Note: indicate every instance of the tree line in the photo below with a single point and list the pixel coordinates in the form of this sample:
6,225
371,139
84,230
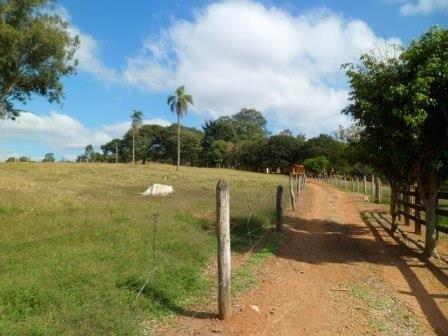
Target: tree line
240,141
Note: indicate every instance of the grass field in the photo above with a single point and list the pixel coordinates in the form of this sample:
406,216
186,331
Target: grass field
76,243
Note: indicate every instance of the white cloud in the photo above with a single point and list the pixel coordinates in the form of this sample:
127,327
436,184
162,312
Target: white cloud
238,54
61,131
423,7
89,59
88,53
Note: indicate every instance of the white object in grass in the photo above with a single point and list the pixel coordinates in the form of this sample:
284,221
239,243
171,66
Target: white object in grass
158,190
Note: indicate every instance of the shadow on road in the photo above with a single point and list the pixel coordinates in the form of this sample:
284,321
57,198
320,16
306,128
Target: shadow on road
332,242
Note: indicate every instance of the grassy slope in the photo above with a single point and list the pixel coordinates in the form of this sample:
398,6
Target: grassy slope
76,242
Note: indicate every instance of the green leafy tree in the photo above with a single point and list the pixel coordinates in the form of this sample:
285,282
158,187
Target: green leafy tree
251,153
401,105
11,159
249,124
178,103
425,69
136,123
89,153
49,157
222,128
222,153
24,159
326,145
190,146
36,50
281,150
317,165
113,151
286,132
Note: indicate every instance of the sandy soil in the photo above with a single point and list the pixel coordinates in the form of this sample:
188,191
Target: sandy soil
333,242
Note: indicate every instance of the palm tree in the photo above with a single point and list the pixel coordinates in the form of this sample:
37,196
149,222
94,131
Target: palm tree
178,104
137,122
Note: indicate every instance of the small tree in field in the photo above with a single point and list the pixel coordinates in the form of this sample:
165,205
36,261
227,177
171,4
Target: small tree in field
178,104
36,50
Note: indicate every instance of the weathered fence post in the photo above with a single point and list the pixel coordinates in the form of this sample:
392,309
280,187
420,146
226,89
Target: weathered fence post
353,183
279,208
299,185
418,225
345,182
373,186
224,260
291,193
377,190
365,185
357,183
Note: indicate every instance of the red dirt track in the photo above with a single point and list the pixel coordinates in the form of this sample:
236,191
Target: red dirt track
334,240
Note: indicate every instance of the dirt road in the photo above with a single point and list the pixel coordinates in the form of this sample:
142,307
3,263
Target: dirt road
337,272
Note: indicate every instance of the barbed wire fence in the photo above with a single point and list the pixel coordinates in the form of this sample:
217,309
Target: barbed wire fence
253,238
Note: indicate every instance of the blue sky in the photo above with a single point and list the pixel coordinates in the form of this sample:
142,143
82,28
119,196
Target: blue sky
281,57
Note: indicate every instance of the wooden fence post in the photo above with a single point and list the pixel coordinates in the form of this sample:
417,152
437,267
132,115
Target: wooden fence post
279,208
365,185
373,186
353,183
291,193
377,190
299,185
357,183
345,182
224,260
406,208
418,225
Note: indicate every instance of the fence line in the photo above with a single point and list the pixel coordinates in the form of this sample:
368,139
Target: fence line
411,209
409,205
224,237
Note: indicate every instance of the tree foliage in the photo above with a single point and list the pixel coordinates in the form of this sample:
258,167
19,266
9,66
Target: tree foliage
36,50
49,157
317,165
401,107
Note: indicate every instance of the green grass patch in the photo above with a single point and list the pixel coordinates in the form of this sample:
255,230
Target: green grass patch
246,275
386,314
77,242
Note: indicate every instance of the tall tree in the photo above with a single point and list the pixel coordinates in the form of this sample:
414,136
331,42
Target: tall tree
136,123
178,104
89,153
401,106
36,50
425,68
250,124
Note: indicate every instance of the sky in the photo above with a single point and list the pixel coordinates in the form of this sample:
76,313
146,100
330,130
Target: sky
281,57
